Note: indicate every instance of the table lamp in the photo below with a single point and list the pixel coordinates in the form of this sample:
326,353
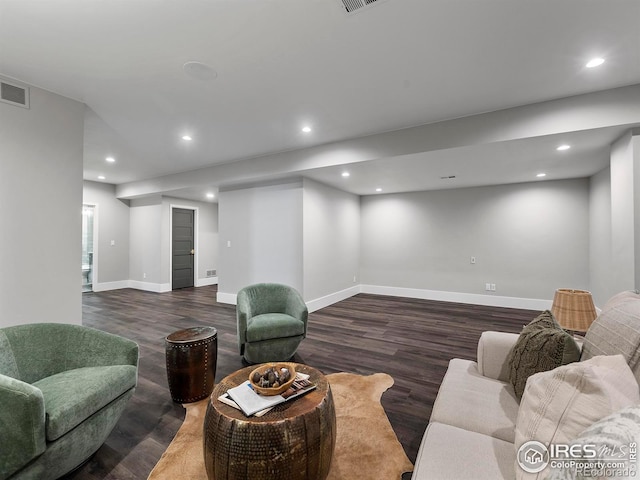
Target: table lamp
574,309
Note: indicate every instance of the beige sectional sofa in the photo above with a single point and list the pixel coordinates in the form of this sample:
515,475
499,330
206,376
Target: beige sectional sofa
472,430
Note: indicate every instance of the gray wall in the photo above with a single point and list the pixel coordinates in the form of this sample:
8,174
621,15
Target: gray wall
41,201
260,237
145,255
331,231
112,217
528,239
601,274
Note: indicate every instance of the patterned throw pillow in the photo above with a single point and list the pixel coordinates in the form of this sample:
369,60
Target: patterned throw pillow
616,439
543,345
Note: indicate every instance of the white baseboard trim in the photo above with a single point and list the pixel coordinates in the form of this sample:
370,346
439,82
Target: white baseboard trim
104,286
470,298
229,298
332,298
150,287
204,282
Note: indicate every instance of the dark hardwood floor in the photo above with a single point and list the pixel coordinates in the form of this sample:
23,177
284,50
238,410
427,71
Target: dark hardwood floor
412,340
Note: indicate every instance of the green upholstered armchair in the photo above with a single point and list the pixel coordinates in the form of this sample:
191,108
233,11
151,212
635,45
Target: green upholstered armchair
62,390
272,321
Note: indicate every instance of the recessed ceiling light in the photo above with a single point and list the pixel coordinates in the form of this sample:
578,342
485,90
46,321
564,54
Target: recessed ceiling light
210,195
345,174
306,129
187,138
540,175
563,147
378,189
101,177
199,70
595,62
110,159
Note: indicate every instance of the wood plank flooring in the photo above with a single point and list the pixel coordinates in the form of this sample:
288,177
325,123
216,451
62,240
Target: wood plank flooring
410,339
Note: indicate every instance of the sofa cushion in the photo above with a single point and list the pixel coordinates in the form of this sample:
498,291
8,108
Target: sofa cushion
543,345
616,331
273,325
612,437
559,404
73,396
451,453
472,402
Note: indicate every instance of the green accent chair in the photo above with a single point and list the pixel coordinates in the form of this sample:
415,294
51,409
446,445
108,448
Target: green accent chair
272,321
62,390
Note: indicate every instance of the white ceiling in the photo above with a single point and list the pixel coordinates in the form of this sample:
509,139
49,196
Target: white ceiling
280,64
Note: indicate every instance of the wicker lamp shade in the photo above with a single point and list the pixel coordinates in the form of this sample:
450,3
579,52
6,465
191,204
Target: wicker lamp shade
574,309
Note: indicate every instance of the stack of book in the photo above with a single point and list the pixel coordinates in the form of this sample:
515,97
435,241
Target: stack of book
244,397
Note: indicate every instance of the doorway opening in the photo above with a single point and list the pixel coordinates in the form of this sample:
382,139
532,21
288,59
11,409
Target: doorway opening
88,221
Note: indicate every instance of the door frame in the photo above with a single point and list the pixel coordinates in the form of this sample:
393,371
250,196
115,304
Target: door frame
173,206
96,243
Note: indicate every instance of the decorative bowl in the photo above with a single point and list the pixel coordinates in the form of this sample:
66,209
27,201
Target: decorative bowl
276,367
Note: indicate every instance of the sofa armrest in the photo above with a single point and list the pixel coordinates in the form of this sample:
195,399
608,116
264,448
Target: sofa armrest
493,351
22,424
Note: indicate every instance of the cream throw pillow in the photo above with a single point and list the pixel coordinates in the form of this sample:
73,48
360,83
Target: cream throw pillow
559,404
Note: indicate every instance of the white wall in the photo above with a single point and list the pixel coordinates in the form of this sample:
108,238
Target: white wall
601,274
145,254
260,237
528,239
331,250
112,218
41,202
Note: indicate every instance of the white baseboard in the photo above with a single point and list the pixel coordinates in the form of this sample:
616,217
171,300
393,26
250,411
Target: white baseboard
443,296
332,298
104,286
229,298
204,282
150,287
471,298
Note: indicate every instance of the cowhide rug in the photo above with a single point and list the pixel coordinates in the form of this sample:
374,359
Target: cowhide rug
366,446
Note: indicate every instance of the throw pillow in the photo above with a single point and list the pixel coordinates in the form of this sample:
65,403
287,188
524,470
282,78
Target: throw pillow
615,438
616,331
559,404
542,345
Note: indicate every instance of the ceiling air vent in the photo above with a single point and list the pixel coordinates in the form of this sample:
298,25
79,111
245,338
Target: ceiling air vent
352,6
14,94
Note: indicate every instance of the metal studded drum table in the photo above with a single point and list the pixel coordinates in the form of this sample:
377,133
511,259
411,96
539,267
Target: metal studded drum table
192,355
293,441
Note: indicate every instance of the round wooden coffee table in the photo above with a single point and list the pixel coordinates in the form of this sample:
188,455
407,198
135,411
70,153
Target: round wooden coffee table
294,441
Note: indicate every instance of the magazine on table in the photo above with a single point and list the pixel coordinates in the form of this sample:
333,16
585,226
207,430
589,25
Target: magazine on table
244,397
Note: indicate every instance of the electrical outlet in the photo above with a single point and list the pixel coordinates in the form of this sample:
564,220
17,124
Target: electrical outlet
487,287
493,287
144,275
473,260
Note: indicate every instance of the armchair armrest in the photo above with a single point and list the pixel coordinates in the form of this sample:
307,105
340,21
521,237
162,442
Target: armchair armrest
243,314
22,424
297,308
493,351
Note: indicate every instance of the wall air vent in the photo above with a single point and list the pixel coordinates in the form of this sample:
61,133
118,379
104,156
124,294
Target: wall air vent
14,94
352,6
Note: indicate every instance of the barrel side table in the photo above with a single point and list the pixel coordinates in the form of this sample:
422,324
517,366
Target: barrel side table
293,441
192,355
